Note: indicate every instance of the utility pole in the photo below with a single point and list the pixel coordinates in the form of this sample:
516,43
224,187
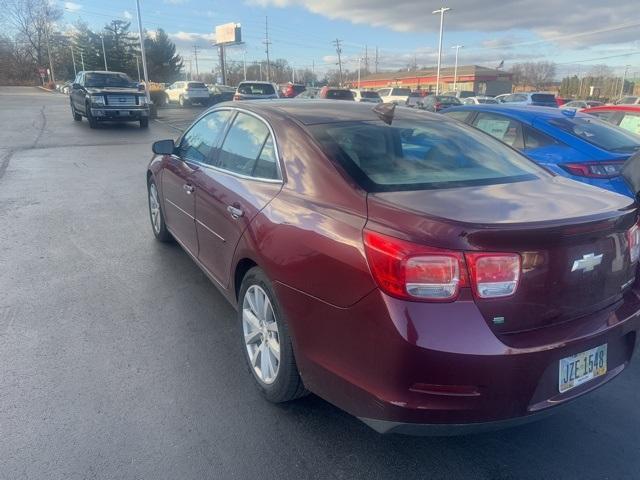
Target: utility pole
195,55
366,58
440,11
138,67
223,67
313,73
260,65
73,59
267,43
142,52
455,69
376,60
52,76
244,63
82,59
359,68
104,53
624,77
293,74
339,52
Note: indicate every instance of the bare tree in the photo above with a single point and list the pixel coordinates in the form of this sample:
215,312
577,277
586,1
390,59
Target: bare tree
601,71
533,74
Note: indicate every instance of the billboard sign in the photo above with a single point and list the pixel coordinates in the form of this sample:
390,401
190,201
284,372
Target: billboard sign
228,33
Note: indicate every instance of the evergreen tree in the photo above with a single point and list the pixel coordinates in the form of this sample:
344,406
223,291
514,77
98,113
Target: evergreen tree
163,63
121,48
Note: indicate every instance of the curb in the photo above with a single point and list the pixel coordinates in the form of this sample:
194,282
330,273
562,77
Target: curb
47,89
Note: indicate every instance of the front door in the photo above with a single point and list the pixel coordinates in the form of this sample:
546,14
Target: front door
179,200
242,180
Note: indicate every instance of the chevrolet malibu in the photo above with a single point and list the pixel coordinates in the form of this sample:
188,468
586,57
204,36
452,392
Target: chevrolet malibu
407,268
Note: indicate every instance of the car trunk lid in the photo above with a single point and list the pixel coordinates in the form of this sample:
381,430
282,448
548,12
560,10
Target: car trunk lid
572,240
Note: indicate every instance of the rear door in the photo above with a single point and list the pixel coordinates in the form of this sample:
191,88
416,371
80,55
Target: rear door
505,129
243,177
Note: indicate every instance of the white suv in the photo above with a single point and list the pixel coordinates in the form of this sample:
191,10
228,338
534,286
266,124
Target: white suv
395,95
187,93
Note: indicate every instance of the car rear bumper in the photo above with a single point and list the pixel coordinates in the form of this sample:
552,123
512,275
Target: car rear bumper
439,368
119,114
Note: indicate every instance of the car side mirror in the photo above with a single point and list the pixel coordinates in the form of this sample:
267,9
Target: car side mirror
141,87
163,147
75,86
631,173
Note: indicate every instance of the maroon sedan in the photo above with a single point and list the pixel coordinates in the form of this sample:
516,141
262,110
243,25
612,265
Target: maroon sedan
409,269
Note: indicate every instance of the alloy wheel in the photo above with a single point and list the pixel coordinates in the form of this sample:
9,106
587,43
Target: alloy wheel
261,336
154,208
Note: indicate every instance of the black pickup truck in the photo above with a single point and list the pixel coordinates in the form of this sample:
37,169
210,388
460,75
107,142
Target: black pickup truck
108,96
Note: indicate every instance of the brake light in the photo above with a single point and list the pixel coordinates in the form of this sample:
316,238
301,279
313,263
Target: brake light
437,105
493,275
237,97
633,235
414,272
594,169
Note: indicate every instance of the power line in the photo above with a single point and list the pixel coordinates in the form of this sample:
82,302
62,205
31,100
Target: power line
195,55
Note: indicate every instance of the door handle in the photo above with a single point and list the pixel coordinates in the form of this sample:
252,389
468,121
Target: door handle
235,212
189,189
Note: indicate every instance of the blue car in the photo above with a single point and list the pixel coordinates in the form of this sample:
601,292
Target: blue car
574,145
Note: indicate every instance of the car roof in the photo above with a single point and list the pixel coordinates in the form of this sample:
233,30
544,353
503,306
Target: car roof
256,81
313,112
523,112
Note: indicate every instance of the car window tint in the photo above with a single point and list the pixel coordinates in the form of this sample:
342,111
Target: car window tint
608,116
598,133
266,166
536,139
414,154
198,143
631,122
243,144
504,129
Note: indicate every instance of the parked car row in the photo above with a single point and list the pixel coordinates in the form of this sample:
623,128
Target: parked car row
423,272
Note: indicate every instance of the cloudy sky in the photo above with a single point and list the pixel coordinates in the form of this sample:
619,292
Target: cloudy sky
575,35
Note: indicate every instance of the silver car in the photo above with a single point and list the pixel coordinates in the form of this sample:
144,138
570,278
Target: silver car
256,91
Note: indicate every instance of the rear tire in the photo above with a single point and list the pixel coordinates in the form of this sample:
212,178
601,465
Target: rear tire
282,381
183,103
144,123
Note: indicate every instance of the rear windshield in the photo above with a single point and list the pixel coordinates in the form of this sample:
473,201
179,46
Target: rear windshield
467,94
256,89
486,100
339,94
627,101
599,133
447,100
196,85
401,91
369,95
543,98
420,154
299,88
107,80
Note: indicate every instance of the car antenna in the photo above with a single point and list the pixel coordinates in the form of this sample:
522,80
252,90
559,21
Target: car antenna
385,112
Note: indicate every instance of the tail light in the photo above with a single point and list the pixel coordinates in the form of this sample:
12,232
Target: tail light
416,272
594,169
633,235
237,97
437,106
494,275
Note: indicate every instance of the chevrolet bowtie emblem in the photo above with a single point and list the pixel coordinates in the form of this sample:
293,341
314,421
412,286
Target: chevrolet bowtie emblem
587,263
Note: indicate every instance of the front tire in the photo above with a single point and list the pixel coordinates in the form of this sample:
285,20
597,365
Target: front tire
93,123
76,116
182,101
156,215
266,340
144,123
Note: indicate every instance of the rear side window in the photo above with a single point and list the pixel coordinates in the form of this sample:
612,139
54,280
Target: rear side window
503,128
368,94
543,98
402,92
196,85
631,122
460,116
418,154
607,116
256,89
243,150
598,133
536,139
197,145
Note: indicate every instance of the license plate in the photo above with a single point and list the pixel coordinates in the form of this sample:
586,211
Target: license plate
582,367
123,113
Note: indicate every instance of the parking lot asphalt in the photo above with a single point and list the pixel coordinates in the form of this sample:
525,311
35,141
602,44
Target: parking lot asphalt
120,360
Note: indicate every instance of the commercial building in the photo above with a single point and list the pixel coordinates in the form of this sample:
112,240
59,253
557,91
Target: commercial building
482,80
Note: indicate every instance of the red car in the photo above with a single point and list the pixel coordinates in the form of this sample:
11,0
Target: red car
333,93
291,90
624,116
405,267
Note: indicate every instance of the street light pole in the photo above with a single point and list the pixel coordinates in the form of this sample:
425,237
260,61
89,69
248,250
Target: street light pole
73,59
104,53
440,11
82,60
144,56
455,68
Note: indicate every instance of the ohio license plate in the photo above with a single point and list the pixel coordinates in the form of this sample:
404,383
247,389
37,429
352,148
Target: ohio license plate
582,367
